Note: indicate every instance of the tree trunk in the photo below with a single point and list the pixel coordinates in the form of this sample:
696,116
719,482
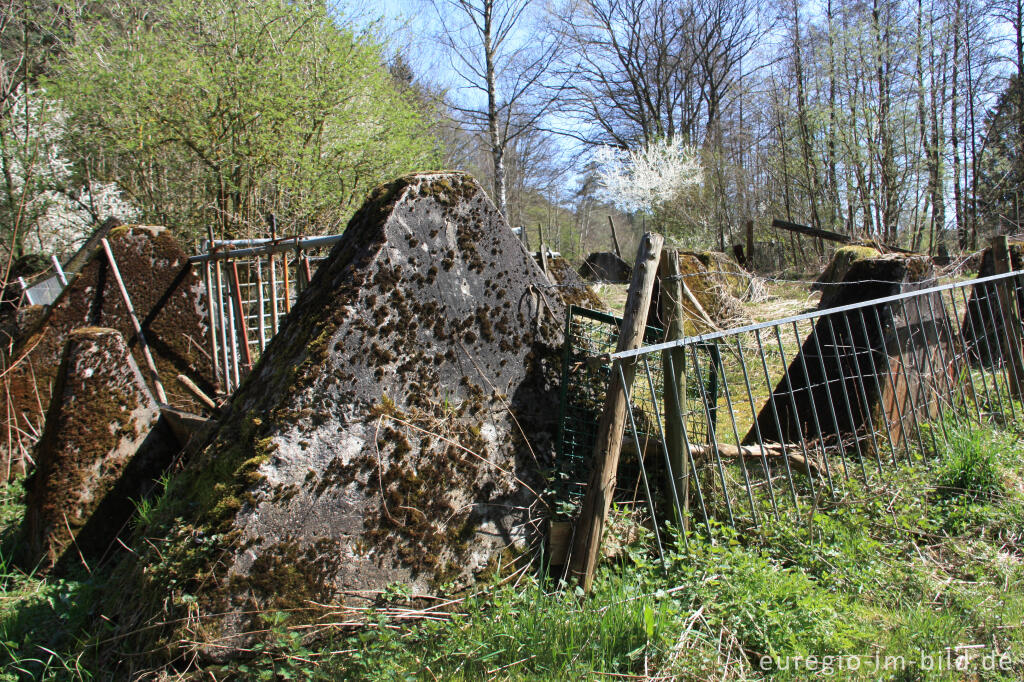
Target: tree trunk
963,239
496,141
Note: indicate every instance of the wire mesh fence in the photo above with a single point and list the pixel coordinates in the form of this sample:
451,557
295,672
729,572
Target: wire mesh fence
590,337
805,404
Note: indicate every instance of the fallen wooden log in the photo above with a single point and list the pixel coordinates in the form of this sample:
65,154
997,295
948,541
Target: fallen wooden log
811,231
771,451
834,236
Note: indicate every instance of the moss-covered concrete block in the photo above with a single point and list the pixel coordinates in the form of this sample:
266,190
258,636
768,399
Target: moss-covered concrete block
393,431
871,369
169,299
717,282
101,448
832,277
570,287
983,319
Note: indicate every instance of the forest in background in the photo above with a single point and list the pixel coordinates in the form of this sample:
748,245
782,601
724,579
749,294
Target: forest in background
897,121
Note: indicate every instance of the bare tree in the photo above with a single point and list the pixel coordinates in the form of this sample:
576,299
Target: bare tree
502,73
634,73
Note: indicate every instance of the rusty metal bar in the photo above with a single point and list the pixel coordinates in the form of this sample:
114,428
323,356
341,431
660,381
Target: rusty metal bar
243,331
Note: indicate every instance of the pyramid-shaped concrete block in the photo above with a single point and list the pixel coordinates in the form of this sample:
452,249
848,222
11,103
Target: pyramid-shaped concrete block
835,386
394,431
169,298
102,424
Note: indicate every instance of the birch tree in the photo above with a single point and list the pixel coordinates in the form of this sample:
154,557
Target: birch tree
502,72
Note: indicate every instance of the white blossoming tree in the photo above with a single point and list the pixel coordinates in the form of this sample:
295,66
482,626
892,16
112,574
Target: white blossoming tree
42,208
645,179
653,179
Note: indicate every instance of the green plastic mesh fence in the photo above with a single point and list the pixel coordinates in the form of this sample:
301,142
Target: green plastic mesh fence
589,335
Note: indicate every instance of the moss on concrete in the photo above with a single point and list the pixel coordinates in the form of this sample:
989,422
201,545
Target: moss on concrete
842,259
100,416
388,433
169,299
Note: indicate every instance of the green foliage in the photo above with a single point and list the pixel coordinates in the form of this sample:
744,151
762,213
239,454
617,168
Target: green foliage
1001,166
39,619
928,560
970,469
213,112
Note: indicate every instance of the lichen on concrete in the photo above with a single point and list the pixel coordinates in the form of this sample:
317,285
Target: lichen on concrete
393,431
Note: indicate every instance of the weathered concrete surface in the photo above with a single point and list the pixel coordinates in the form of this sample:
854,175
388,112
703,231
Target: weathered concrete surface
169,299
101,448
392,432
16,323
911,344
832,277
717,282
983,318
605,266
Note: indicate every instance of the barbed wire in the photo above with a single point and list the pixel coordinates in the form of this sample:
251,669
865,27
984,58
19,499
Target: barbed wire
947,271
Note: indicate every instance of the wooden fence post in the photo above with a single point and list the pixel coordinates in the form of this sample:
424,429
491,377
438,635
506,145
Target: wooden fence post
1011,327
589,529
673,315
615,237
750,245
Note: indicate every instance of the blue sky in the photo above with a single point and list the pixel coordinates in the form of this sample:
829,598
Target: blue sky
412,22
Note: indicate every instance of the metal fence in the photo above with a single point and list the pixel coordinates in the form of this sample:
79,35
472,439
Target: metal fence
251,285
807,403
590,338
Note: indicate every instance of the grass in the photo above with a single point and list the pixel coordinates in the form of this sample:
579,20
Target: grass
39,618
911,568
928,562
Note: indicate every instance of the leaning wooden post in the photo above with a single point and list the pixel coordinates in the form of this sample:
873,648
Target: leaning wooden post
674,369
305,268
159,387
197,392
544,262
1011,327
615,237
587,541
750,245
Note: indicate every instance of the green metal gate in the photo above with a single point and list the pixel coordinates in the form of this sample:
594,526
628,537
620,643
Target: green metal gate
589,336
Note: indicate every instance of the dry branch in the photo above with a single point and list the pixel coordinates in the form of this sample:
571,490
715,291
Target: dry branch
753,452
